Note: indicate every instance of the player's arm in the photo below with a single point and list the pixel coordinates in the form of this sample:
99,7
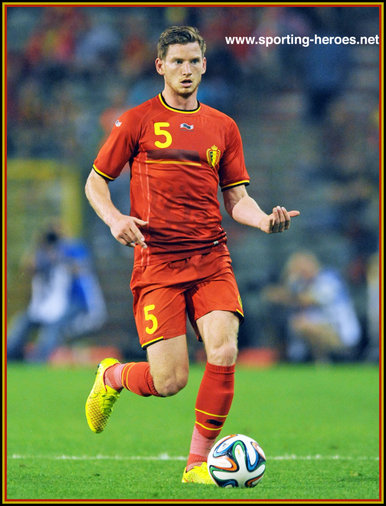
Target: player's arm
124,228
245,210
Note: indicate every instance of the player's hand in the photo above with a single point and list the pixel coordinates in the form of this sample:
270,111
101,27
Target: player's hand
279,220
126,231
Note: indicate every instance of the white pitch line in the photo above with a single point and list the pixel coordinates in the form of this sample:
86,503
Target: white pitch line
165,456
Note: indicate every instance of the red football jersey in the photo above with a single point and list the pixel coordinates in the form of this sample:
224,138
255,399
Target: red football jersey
177,161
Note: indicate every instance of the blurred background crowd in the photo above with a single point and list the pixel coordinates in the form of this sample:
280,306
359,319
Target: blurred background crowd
309,120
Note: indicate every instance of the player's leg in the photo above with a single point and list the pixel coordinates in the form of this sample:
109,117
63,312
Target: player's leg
160,315
169,365
164,374
215,311
219,331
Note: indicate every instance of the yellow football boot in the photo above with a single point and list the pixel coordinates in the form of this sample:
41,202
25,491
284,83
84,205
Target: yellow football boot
100,402
198,474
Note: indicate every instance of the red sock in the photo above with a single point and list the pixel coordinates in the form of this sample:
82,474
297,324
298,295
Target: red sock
213,403
136,377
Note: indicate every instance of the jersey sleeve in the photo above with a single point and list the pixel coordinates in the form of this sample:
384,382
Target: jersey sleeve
232,165
119,148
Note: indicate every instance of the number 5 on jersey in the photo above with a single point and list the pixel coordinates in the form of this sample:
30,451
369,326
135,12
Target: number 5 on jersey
159,129
150,318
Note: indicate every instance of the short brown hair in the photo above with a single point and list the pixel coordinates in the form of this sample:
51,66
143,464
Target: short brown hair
179,35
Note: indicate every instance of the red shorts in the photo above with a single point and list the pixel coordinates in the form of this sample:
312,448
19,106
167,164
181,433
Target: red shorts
165,293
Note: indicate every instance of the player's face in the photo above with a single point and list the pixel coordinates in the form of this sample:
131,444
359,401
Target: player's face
182,68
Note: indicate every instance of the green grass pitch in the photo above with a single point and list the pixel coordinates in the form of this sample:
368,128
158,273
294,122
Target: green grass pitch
318,426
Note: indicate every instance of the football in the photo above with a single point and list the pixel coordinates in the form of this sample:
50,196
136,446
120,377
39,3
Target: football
236,461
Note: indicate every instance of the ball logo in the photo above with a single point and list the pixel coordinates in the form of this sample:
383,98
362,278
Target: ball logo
213,156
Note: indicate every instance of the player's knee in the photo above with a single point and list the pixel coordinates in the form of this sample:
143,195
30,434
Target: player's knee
169,388
171,385
225,354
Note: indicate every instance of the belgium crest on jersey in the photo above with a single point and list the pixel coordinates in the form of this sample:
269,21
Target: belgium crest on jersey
213,156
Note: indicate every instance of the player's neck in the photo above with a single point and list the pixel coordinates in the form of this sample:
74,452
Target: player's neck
189,103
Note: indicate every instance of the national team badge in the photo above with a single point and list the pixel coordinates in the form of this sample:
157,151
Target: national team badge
213,156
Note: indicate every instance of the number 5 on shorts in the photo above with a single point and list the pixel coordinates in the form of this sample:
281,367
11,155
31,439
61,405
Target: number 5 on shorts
150,317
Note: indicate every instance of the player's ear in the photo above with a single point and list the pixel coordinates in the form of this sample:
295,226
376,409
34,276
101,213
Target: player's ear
203,65
159,66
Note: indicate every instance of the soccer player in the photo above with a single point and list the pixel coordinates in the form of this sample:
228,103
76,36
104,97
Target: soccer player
179,152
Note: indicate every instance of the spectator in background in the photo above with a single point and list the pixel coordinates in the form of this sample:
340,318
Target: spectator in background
373,303
321,321
66,299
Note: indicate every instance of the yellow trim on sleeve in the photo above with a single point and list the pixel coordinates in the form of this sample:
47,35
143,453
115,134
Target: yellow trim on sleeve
244,181
102,173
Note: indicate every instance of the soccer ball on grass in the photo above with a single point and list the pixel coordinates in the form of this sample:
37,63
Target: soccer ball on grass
236,461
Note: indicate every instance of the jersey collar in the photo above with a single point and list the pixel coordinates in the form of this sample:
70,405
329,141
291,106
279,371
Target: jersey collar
163,102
